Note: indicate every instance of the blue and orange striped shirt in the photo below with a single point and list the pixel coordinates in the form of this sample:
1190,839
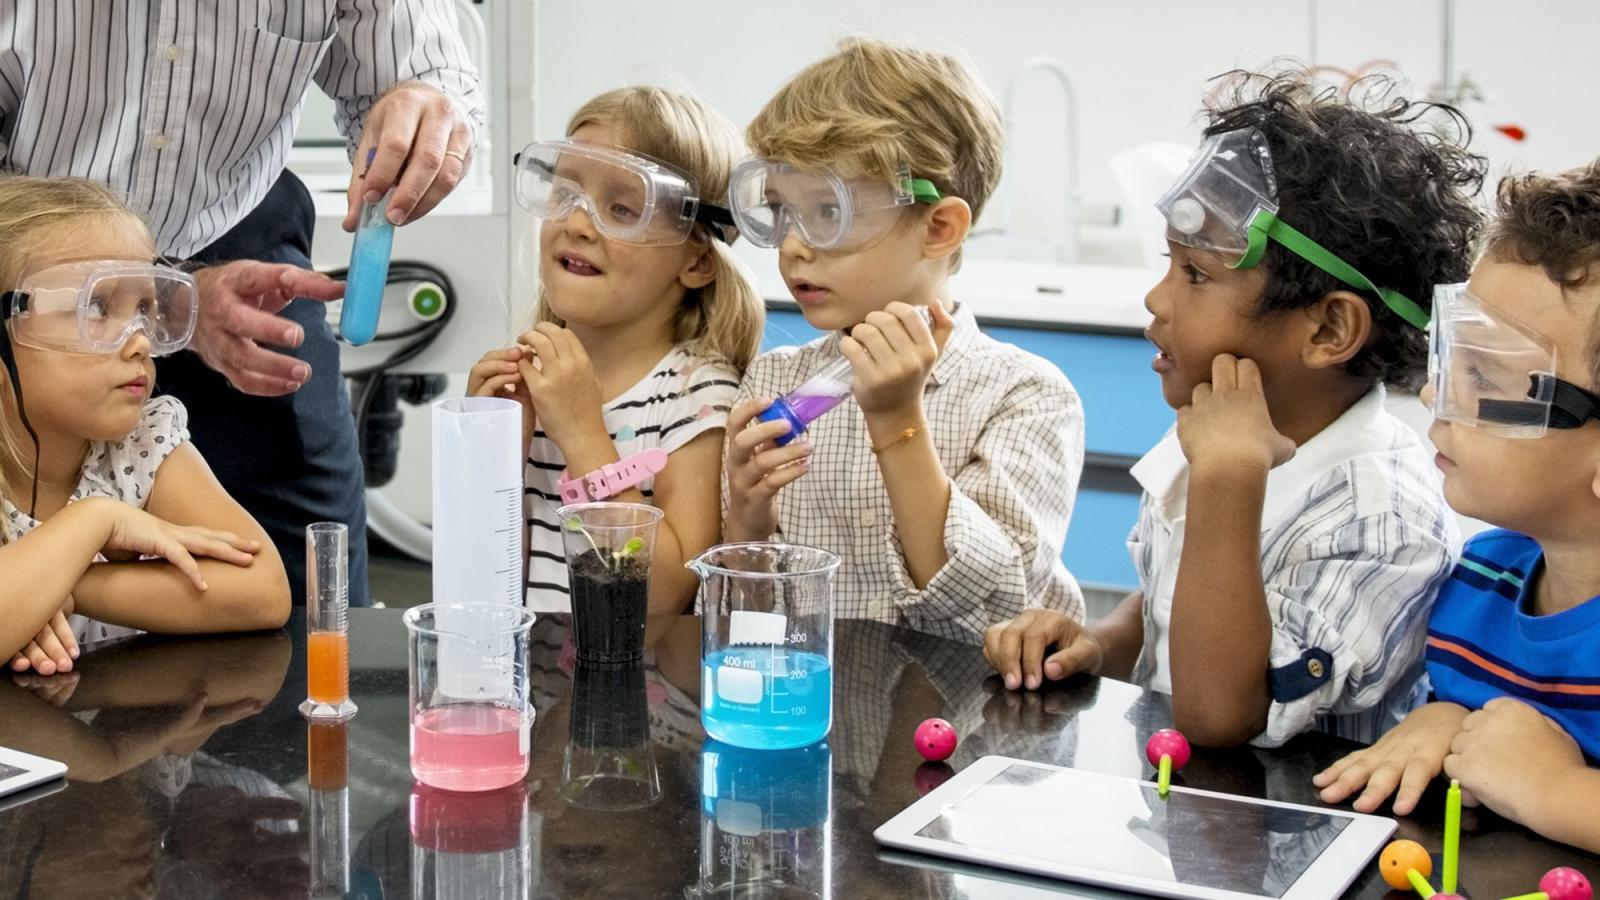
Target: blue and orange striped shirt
1483,641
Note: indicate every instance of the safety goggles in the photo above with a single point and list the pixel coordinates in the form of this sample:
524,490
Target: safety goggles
1227,203
96,306
825,211
1492,372
629,196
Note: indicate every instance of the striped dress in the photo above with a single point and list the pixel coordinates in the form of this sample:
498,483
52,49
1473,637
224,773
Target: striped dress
684,396
1485,641
1355,540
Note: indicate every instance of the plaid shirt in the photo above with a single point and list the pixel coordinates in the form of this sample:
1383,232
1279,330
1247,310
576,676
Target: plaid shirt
1355,540
1008,429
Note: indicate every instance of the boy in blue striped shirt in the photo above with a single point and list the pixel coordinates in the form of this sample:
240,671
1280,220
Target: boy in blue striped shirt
1292,531
1514,640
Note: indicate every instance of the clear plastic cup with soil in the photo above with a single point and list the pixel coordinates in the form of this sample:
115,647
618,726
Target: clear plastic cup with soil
608,548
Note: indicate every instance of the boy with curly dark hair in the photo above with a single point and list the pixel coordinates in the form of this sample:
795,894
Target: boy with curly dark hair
1514,638
1292,532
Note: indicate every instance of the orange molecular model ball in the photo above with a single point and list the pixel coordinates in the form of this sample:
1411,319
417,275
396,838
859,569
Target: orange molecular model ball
1401,857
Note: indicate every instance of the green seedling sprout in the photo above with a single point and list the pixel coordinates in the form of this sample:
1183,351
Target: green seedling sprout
631,548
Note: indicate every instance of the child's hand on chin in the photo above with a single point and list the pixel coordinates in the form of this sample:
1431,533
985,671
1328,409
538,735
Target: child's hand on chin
1226,427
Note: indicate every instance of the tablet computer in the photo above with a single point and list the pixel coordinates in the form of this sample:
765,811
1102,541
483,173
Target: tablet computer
1119,833
20,771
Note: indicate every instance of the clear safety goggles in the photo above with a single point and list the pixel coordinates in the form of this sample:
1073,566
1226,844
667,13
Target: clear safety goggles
825,211
96,306
629,196
1489,371
1226,203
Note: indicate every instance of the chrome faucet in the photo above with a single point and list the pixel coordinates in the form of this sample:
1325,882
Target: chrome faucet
1067,250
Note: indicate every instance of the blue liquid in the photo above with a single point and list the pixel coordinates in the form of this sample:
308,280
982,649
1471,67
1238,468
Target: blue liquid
369,273
766,698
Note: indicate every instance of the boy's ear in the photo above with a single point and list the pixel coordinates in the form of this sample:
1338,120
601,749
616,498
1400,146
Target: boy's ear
1340,325
948,220
1594,486
699,271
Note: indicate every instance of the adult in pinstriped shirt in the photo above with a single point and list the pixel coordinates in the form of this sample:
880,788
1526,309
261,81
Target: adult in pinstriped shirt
1292,533
189,108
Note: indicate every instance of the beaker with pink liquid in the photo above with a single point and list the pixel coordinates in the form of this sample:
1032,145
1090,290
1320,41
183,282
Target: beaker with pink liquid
469,731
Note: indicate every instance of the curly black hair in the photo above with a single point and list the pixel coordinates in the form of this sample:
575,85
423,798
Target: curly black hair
1382,182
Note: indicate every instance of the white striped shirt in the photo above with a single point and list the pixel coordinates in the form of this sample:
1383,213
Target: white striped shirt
684,396
1008,430
189,107
1355,540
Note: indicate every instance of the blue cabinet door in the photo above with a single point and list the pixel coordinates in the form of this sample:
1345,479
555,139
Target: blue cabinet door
1124,416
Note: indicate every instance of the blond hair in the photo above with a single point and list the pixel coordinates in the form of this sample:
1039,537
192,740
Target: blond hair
33,212
723,319
875,108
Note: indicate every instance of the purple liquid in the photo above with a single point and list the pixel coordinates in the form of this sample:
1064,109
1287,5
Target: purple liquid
808,407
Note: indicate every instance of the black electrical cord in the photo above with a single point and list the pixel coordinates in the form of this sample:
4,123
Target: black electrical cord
421,336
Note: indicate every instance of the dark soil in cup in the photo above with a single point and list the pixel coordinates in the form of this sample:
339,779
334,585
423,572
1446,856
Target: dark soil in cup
608,607
609,707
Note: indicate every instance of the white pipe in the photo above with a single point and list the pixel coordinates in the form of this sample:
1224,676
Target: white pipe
392,524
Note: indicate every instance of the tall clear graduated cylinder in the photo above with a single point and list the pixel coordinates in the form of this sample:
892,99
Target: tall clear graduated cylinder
327,623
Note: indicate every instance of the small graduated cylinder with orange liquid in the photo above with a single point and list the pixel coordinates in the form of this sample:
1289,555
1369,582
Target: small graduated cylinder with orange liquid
327,623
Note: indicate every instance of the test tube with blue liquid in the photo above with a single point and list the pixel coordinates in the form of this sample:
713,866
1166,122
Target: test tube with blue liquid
369,270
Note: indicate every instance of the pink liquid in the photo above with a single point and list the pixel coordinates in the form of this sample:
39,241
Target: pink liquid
469,747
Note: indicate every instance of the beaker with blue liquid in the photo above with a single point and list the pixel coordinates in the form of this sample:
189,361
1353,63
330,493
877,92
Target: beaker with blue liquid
766,647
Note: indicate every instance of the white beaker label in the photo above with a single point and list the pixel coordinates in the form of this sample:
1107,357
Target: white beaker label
750,627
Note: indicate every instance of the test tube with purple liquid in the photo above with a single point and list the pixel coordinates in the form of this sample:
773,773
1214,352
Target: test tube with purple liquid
806,403
820,393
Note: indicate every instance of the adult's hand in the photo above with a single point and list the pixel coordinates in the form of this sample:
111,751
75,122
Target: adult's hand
415,141
239,306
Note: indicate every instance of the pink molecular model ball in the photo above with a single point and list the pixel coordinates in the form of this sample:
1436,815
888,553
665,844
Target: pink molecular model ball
936,739
1167,742
1566,884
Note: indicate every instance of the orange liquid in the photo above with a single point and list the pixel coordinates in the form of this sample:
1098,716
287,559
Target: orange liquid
328,666
327,756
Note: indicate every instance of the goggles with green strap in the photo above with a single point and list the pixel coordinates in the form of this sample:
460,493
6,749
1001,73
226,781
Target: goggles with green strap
824,209
1227,203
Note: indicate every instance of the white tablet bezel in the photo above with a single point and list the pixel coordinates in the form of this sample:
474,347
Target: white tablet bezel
36,770
1326,879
